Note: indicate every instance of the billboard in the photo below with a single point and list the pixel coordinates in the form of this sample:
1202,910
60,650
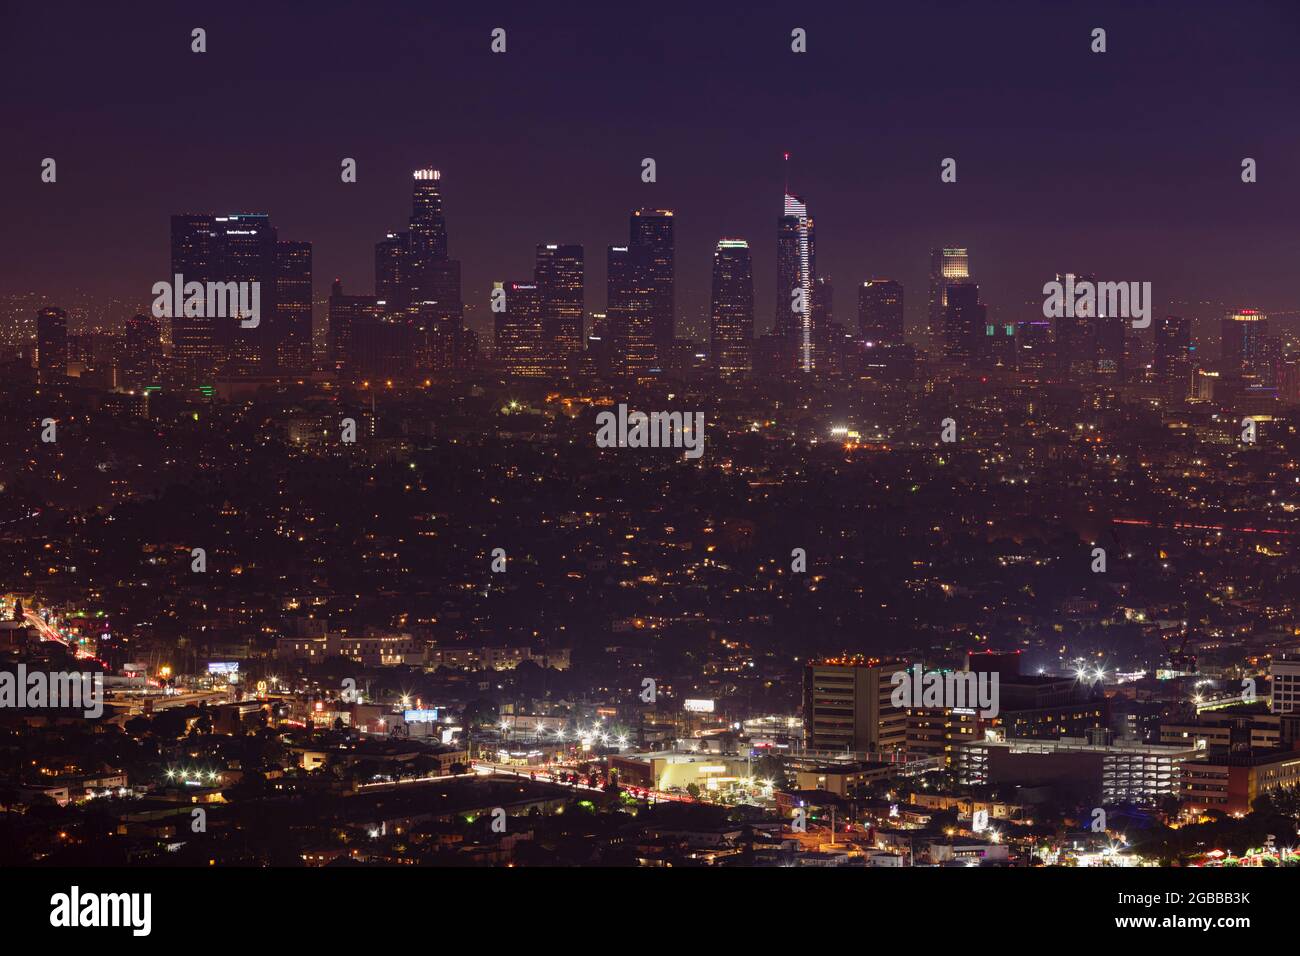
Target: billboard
698,705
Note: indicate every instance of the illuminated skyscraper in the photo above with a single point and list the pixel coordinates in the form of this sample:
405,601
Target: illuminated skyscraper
652,232
416,282
52,344
239,248
630,310
796,275
142,355
355,341
433,279
1242,342
391,286
1173,357
293,318
947,266
965,323
518,330
428,233
880,311
1077,341
731,315
559,277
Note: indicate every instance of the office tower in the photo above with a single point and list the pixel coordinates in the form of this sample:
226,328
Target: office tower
432,278
1288,379
796,274
630,310
652,232
1034,352
1284,675
428,232
1173,357
351,318
418,286
880,311
293,318
1076,337
1270,359
947,266
142,359
239,248
1242,335
600,345
518,330
965,325
52,344
559,275
1112,333
847,706
823,304
391,284
731,311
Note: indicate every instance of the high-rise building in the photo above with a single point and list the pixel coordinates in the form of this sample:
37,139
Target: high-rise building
433,279
947,266
427,241
355,344
1034,346
1077,342
142,357
1284,675
391,285
293,318
1112,336
1173,358
796,275
630,311
518,329
965,321
560,279
848,706
52,344
1242,341
238,248
880,311
731,312
652,231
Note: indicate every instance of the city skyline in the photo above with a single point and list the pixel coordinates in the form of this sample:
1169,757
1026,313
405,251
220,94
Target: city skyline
878,211
650,438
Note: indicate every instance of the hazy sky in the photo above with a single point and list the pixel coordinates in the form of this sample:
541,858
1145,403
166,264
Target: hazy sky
1124,164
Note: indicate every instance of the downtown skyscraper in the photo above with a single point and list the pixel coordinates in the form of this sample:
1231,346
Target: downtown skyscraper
1242,336
240,248
417,282
629,308
293,326
518,328
796,275
651,232
52,344
947,266
559,275
880,311
731,312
